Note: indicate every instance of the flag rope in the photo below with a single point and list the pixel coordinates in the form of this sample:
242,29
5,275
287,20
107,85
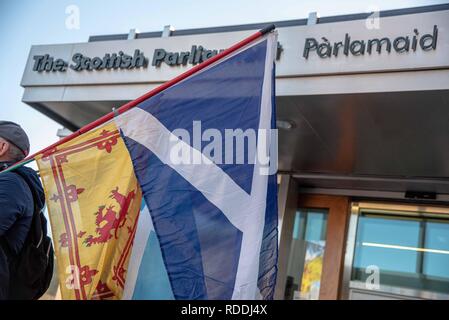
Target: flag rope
144,97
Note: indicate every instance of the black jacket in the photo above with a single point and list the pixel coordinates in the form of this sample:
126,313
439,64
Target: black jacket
16,212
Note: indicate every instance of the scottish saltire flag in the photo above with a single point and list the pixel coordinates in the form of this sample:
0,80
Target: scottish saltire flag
177,197
213,209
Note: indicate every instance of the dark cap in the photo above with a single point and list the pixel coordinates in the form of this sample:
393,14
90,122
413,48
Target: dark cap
16,135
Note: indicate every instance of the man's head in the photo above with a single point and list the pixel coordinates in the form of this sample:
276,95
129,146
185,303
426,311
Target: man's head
14,143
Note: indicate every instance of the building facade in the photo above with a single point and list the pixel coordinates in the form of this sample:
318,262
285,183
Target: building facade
363,118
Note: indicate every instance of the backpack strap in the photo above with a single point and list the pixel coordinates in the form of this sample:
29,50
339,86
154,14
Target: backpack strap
5,247
33,192
37,233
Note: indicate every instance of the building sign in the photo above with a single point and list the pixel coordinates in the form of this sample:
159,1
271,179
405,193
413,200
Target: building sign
325,49
404,42
120,60
197,54
81,62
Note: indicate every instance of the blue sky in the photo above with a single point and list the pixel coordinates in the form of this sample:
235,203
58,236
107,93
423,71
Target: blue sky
27,22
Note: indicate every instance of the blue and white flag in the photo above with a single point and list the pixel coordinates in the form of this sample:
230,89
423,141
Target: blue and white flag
204,152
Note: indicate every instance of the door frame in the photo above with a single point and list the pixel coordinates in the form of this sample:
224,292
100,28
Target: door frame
334,252
337,225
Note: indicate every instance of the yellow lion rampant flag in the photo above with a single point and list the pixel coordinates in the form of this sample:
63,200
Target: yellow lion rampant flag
93,201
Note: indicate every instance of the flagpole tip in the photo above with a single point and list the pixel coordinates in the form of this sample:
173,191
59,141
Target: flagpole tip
267,29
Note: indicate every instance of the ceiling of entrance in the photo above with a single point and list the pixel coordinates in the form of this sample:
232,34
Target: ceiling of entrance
388,134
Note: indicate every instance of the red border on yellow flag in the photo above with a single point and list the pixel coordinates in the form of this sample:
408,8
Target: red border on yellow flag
93,200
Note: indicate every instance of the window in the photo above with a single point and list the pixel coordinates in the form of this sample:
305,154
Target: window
306,254
408,251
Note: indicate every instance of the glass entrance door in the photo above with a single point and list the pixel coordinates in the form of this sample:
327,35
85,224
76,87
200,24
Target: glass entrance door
305,263
398,252
312,244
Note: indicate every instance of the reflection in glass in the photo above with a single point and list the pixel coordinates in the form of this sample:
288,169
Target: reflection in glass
306,254
410,252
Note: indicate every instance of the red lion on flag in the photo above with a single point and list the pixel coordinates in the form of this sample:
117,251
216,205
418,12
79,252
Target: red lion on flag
109,215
